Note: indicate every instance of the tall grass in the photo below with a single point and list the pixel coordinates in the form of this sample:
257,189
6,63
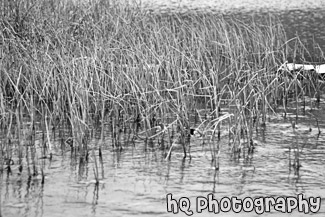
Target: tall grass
117,68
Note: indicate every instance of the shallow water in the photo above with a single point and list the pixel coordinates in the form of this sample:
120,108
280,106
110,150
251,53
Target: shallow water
135,181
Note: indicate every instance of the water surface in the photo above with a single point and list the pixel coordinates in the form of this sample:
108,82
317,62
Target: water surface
135,181
303,18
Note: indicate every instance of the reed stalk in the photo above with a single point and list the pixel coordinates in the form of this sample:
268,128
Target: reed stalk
81,65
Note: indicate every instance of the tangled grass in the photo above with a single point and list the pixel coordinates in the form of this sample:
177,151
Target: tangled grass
117,68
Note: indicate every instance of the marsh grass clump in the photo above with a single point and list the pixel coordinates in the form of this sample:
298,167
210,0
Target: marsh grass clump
121,70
